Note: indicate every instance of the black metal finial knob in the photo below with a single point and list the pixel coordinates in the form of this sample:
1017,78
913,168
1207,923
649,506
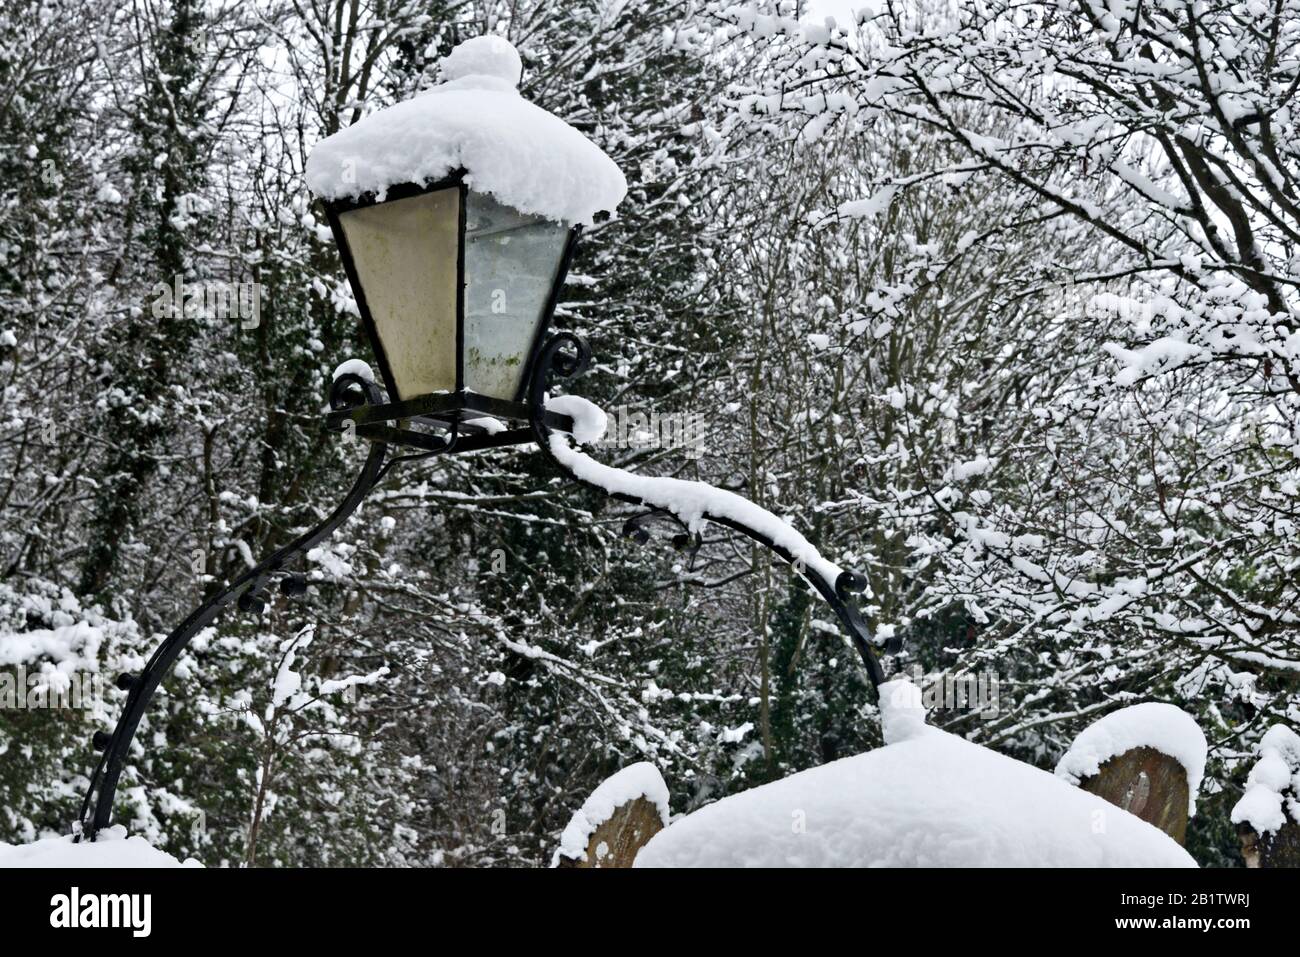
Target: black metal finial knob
293,584
249,601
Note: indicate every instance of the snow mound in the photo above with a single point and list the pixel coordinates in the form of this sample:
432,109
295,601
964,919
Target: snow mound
925,799
1162,727
902,715
1277,770
111,848
476,121
483,56
71,647
634,781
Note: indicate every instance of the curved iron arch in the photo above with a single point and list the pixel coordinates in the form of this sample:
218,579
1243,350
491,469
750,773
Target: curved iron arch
554,359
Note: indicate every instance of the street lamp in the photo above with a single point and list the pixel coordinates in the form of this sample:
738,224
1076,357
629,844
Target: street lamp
456,214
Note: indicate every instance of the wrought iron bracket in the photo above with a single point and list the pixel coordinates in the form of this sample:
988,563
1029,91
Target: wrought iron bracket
248,592
357,404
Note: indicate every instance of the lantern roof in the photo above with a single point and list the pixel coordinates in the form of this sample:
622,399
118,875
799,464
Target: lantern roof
474,121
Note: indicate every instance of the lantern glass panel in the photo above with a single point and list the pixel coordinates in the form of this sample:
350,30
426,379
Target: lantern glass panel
511,265
405,253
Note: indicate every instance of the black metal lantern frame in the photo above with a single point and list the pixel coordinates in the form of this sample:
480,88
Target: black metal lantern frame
358,404
451,411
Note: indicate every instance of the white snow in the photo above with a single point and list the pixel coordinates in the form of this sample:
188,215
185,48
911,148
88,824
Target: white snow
589,420
961,471
357,367
72,647
477,121
693,502
640,780
288,682
488,424
483,56
1166,353
873,205
925,799
1278,769
902,713
111,848
1163,727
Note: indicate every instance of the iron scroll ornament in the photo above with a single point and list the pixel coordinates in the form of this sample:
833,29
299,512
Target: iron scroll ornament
248,592
568,355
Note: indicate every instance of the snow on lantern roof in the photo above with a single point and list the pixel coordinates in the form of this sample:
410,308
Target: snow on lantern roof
1162,727
925,799
475,121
